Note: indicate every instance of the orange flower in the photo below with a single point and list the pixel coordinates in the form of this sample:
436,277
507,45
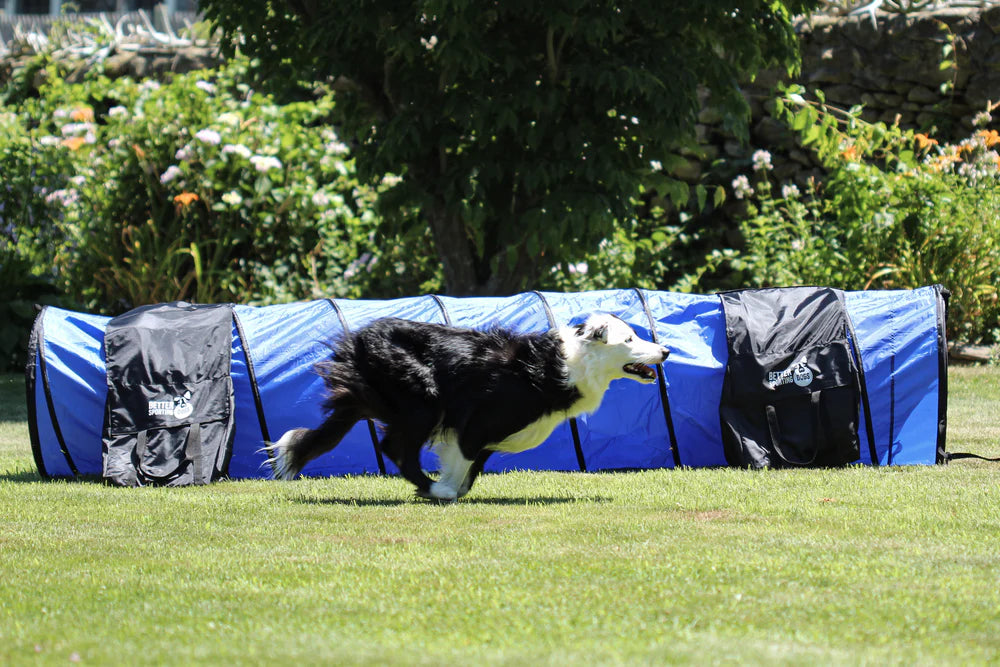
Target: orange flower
82,115
989,137
73,143
850,153
924,142
185,199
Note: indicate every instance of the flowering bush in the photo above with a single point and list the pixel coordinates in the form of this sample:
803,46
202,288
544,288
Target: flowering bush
199,189
895,210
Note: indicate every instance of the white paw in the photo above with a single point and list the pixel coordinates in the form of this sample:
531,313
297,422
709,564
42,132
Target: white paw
442,492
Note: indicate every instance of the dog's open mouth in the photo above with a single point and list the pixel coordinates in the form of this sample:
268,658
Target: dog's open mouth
640,370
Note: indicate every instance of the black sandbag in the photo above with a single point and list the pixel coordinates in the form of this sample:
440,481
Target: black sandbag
169,409
791,390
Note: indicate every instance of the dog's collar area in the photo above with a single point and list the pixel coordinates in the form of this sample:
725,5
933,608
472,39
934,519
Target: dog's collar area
643,371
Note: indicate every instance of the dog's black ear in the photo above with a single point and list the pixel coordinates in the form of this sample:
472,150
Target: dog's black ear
586,330
600,333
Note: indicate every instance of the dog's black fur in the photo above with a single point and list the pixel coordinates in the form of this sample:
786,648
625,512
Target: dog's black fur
417,378
470,392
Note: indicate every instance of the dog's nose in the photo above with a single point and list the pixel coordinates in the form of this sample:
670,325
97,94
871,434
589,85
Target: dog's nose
666,353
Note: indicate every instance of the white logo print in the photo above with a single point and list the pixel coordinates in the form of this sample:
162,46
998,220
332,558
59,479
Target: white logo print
799,373
802,376
178,407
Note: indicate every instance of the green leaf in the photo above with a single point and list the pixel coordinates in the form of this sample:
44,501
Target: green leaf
702,195
801,119
678,191
811,135
720,196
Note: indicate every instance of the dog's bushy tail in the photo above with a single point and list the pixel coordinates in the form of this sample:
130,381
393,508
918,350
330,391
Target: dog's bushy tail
281,454
348,399
299,446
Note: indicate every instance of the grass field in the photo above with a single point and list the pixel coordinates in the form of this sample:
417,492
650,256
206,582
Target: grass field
852,566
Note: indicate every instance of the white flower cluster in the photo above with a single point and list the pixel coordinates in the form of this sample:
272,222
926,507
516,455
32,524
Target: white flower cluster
761,160
265,163
741,187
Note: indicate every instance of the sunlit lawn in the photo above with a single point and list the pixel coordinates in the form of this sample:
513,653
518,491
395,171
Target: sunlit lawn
896,566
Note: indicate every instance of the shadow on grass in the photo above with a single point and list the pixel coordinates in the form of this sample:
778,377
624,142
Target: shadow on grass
21,477
369,502
31,476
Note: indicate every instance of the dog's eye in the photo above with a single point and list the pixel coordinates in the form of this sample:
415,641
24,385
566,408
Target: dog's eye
629,339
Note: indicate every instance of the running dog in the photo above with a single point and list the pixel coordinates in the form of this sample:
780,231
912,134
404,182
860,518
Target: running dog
468,393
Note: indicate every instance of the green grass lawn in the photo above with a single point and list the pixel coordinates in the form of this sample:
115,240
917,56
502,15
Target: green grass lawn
887,566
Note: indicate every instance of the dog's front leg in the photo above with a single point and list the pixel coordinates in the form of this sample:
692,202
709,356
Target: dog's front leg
454,471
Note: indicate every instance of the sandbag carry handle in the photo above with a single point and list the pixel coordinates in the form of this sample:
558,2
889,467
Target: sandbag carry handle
775,431
192,454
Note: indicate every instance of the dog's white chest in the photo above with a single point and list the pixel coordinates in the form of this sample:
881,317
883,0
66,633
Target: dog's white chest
536,432
531,435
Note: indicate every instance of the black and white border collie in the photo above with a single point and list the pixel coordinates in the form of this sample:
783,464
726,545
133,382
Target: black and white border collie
468,393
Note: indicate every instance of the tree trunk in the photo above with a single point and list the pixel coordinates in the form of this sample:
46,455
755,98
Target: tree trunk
467,274
456,252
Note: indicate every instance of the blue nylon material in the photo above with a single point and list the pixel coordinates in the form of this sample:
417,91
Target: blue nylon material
899,323
627,431
52,458
285,341
246,461
692,327
74,353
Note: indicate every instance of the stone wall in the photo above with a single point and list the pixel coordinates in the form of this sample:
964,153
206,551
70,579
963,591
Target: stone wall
893,68
139,63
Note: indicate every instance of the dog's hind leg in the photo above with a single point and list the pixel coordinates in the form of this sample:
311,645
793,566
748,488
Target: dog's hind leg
474,471
299,446
402,443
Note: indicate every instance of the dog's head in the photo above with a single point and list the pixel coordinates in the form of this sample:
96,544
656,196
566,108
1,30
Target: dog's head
617,350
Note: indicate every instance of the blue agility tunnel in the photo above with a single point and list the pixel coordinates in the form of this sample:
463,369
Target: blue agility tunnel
899,337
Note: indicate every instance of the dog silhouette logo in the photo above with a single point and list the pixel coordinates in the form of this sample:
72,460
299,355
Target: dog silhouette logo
182,406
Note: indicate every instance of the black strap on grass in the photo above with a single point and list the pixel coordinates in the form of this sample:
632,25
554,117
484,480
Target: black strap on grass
371,425
951,456
573,427
661,377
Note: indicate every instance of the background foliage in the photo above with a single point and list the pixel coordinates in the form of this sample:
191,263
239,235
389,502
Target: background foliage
897,209
521,129
202,188
121,192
